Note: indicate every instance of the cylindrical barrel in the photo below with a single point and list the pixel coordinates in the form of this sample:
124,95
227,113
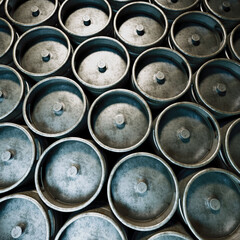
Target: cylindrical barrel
216,86
119,120
139,26
174,8
26,14
12,93
187,135
7,39
198,36
227,11
43,52
233,41
101,64
142,191
70,174
55,107
161,76
97,223
85,19
210,203
24,216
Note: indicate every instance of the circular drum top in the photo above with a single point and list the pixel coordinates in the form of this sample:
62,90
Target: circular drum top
217,84
22,217
235,41
176,4
54,107
161,74
119,120
11,91
163,235
100,62
142,191
30,12
17,155
187,135
85,18
198,34
70,174
211,204
226,9
41,51
90,225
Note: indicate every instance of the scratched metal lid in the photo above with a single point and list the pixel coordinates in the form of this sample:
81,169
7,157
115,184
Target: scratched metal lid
42,52
139,26
211,203
119,120
187,135
164,235
23,217
100,64
7,40
217,85
70,174
198,36
142,191
27,14
17,155
84,19
161,76
12,93
233,43
55,107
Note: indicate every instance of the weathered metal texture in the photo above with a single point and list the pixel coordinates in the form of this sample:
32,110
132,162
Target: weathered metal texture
161,76
210,203
233,41
70,174
26,14
139,26
119,120
7,40
226,11
42,52
55,107
82,20
216,87
187,135
24,216
101,64
198,36
94,224
142,191
174,8
12,92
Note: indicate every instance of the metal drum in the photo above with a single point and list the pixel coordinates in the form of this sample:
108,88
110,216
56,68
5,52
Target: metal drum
142,191
210,203
198,36
55,107
187,135
161,76
139,26
24,216
233,42
26,14
12,92
174,8
227,11
1,8
101,64
84,19
7,40
216,87
19,151
119,120
70,174
94,224
43,52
